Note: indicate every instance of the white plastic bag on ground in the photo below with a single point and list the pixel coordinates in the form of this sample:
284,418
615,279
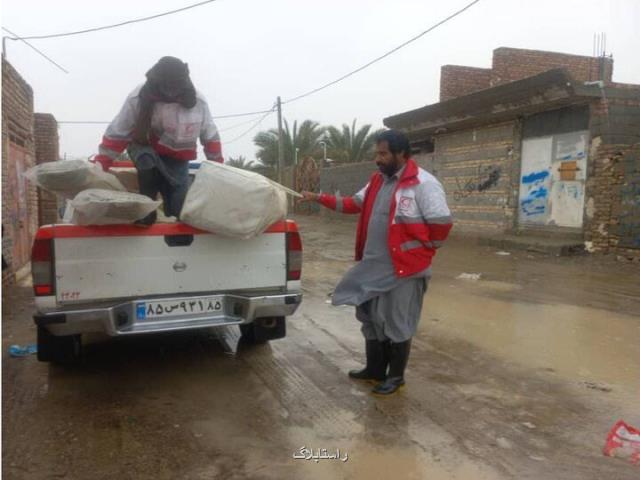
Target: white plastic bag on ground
470,276
105,207
623,441
232,202
67,178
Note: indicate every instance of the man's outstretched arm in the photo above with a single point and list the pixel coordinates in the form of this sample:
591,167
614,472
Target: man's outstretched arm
338,203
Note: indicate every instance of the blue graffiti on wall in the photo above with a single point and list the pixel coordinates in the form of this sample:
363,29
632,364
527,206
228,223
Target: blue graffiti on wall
535,203
535,177
571,156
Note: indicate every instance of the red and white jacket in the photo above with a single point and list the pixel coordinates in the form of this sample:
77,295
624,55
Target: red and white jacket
419,219
174,130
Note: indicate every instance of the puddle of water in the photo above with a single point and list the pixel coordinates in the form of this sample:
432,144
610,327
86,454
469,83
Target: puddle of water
578,343
370,462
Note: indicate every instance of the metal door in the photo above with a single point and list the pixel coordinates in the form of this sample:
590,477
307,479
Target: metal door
553,179
535,181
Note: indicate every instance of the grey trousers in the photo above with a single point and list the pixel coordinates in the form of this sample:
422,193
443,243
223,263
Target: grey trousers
393,315
160,174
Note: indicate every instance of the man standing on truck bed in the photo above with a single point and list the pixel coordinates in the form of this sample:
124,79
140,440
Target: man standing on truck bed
404,218
159,125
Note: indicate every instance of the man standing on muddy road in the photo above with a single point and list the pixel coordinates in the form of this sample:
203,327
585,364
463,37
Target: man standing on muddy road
404,218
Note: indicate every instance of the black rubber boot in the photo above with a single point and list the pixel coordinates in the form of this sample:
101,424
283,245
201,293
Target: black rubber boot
398,358
376,369
148,220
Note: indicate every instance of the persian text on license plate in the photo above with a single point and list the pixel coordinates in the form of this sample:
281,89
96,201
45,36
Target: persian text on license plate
174,308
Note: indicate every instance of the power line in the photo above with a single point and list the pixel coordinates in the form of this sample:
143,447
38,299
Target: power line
217,117
30,46
267,112
413,39
106,27
255,125
231,127
246,114
83,122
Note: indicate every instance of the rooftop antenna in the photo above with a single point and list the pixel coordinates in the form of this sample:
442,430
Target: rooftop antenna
593,54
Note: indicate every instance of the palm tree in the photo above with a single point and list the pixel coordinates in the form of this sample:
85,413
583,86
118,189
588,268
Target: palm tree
306,139
241,162
349,145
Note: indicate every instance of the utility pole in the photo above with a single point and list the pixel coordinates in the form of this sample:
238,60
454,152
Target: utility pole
324,152
280,144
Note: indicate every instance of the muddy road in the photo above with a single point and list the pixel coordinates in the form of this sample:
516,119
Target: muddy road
519,374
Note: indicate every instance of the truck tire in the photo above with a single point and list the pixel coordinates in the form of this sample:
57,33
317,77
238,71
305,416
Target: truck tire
62,350
261,330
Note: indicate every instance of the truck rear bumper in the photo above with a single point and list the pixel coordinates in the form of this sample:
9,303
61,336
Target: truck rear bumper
138,316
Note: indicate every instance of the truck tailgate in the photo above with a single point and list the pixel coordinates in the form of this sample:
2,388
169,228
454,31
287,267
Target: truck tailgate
163,260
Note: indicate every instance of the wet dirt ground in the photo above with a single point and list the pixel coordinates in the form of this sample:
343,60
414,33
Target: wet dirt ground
517,375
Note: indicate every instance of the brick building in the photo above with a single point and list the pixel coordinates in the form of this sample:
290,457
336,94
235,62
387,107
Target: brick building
540,144
46,150
27,139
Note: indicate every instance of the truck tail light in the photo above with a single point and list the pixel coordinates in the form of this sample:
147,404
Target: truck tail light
42,267
294,256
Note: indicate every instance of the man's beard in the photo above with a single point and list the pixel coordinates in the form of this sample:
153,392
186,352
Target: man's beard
390,169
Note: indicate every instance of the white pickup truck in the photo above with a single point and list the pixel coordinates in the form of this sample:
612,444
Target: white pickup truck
127,280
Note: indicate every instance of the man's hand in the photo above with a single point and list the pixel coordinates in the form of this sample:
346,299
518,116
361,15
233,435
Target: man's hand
308,197
104,161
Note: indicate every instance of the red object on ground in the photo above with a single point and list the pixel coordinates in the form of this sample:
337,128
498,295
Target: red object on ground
623,441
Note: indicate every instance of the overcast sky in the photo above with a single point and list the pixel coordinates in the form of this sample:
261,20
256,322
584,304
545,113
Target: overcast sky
244,53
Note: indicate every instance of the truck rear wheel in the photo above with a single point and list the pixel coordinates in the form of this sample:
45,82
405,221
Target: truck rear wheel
261,330
63,350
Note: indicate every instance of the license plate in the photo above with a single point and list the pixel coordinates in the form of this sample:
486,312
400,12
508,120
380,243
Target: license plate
176,308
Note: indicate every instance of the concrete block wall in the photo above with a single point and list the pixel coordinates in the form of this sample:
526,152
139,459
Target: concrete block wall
19,199
479,169
47,150
348,179
344,180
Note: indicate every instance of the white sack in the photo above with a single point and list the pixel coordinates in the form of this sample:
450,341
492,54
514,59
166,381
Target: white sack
68,178
68,212
232,202
104,207
128,177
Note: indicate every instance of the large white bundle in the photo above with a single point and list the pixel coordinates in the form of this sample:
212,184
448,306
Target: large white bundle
105,207
70,177
232,202
128,177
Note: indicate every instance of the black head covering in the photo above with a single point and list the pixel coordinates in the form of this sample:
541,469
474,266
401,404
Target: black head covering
167,81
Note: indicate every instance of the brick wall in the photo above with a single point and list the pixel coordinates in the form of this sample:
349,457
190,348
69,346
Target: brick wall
613,182
511,64
19,199
47,150
456,80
